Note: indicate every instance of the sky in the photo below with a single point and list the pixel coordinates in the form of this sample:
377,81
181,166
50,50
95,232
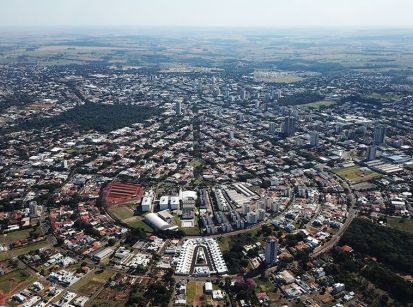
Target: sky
199,13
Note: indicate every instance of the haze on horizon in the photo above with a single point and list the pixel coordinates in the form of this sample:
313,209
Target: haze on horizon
200,13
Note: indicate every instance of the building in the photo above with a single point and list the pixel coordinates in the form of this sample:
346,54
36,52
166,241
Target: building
104,253
314,139
371,152
174,202
34,209
157,223
272,128
290,126
379,135
146,204
251,217
195,249
164,203
178,108
271,251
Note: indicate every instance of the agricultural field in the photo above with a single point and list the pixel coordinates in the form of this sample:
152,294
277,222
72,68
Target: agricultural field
356,174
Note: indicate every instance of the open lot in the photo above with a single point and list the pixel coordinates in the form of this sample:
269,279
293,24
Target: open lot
14,236
12,282
356,174
400,224
22,250
92,281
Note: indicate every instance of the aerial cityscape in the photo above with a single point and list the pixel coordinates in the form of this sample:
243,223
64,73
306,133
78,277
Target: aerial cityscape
155,165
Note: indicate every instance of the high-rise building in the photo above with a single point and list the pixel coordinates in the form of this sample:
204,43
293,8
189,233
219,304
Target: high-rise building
34,209
371,152
244,94
272,127
261,214
314,139
251,217
280,94
379,135
289,127
271,250
178,108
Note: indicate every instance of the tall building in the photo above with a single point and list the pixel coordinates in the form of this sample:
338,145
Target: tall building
271,250
252,217
272,127
290,125
244,94
371,152
178,108
314,139
280,94
379,135
34,209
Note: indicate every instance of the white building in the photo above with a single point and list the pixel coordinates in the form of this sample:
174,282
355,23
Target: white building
146,204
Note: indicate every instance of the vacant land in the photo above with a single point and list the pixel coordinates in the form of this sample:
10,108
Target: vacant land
356,174
190,292
12,282
92,281
22,250
12,237
400,224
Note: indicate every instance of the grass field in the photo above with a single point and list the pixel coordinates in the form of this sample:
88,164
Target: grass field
140,224
264,285
122,213
318,104
190,292
191,231
14,280
400,224
16,236
92,281
224,243
22,250
355,174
